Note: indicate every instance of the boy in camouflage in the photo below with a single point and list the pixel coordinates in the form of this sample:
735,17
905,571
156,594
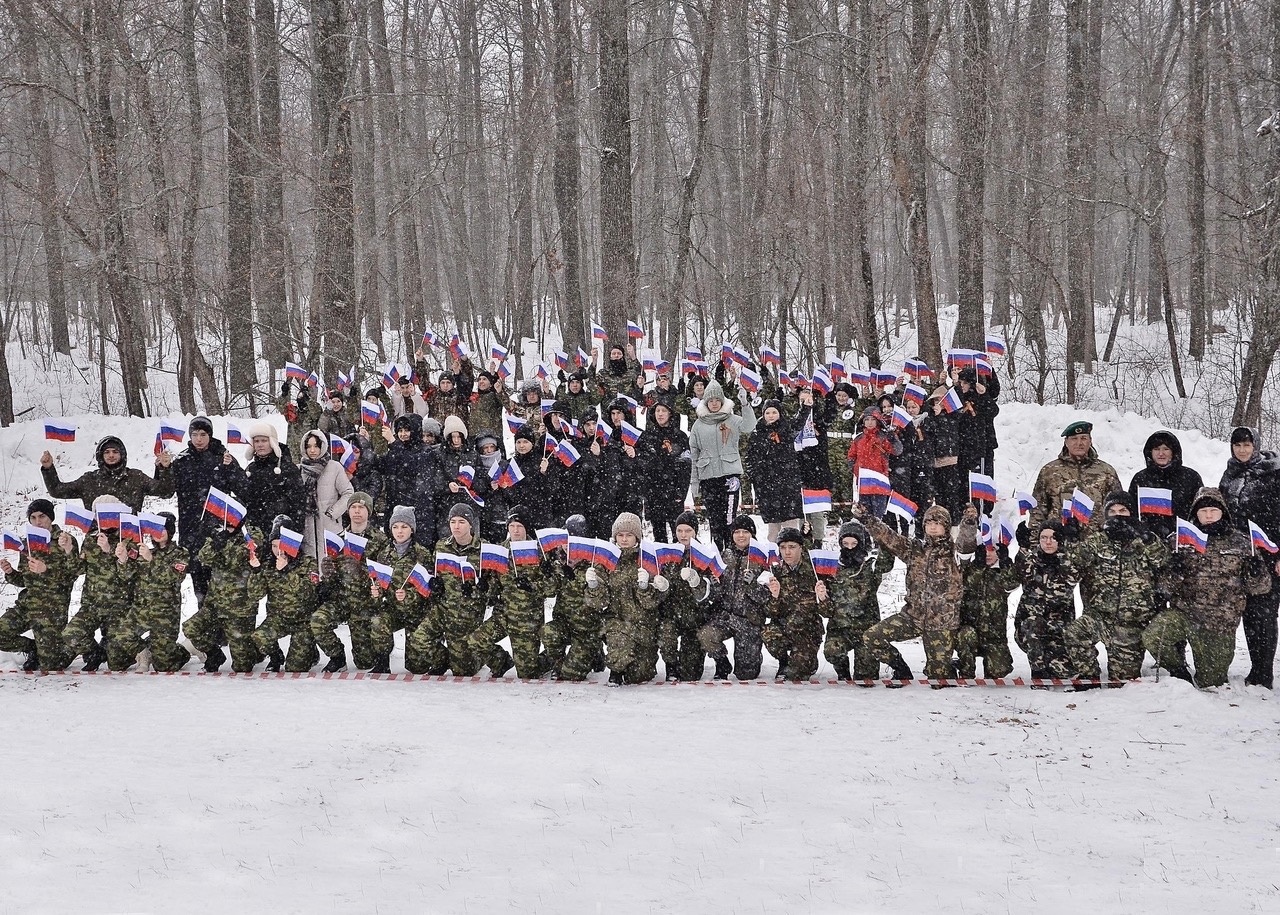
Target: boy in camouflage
348,595
442,641
45,580
853,606
738,602
572,637
289,585
989,578
1118,566
400,607
155,575
1207,594
227,616
1049,576
684,610
519,610
104,599
628,601
794,631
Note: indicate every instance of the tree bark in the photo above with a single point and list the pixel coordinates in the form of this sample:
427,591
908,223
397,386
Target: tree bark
972,123
1197,103
617,229
567,174
273,263
238,294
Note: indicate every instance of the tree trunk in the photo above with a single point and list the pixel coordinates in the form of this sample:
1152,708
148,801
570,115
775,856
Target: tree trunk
522,267
273,265
971,139
1197,103
617,244
567,174
238,294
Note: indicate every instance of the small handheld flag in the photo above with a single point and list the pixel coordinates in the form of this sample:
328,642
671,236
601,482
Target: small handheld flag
634,331
552,538
497,353
333,544
859,377
762,553
826,563
982,488
354,545
669,553
822,382
952,402
390,375
37,539
1081,506
525,552
170,433
495,558
916,368
61,431
78,519
915,394
372,413
567,454
579,549
900,419
768,356
901,506
597,332
1026,501
379,572
1066,511
295,372
449,564
816,501
11,543
750,380
430,338
290,542
837,369
1192,536
130,528
561,359
224,507
606,554
995,345
705,558
1153,500
873,483
153,526
630,434
108,516
420,580
235,436
1260,539
649,558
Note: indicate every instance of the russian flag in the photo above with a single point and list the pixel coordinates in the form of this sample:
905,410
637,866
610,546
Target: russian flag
420,580
224,507
873,483
497,353
109,516
549,445
995,345
822,382
688,367
883,379
837,369
1192,536
130,528
235,436
450,564
961,358
1260,539
513,423
11,542
582,357
604,431
469,572
494,558
649,558
915,394
825,562
429,338
456,347
466,475
816,500
1066,510
580,549
1026,501
983,366
630,434
379,572
561,359
80,520
952,401
1008,531
784,378
290,542
504,370
693,354
916,368
634,331
152,525
1155,501
354,545
337,447
982,488
170,433
750,380
702,556
597,332
295,372
762,553
525,552
1081,506
350,460
390,375
567,454
511,474
548,404
669,553
37,539
900,419
334,545
346,379
984,530
901,506
768,356
607,555
372,413
542,374
650,362
59,432
858,376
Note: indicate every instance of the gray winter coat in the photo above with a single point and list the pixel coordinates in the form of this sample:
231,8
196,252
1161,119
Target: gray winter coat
715,452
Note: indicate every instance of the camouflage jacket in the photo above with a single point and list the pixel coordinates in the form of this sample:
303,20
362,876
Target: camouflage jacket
686,607
401,565
571,595
1059,478
226,556
51,588
107,586
621,597
852,594
157,585
352,574
738,591
986,587
290,592
486,413
523,591
1047,584
1117,580
796,601
1211,588
462,599
935,584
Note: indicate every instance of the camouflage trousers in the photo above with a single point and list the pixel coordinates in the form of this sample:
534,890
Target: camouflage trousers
1212,652
1123,644
45,623
524,629
213,626
1043,634
573,643
326,620
747,643
984,634
794,640
81,639
633,650
441,642
390,617
303,654
846,634
127,639
682,654
938,645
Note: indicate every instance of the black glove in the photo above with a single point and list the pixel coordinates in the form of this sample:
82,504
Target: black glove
562,376
284,390
523,583
1148,537
468,588
1119,529
304,395
547,566
1071,530
567,572
1050,560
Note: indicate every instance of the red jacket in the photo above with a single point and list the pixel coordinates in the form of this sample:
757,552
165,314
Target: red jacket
871,452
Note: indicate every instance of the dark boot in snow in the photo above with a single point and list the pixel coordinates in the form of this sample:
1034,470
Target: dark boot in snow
382,665
94,657
900,671
337,663
32,664
615,678
842,669
275,659
723,668
214,660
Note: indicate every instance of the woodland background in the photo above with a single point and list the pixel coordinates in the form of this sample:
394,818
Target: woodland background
212,187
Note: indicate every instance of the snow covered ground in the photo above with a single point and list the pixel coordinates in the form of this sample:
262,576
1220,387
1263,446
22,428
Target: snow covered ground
192,793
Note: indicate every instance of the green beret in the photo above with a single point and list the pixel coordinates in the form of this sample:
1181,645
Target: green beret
1079,427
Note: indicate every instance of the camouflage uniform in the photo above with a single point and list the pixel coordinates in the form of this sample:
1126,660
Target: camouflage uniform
1117,587
349,602
1048,606
1059,478
387,614
572,636
104,600
843,424
519,613
42,606
291,599
157,606
683,612
935,588
738,605
1207,596
227,616
630,615
852,608
984,617
794,631
442,641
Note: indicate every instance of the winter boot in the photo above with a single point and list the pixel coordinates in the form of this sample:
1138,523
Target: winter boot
337,663
615,678
381,665
842,668
275,659
782,673
213,660
143,660
900,672
723,668
95,657
32,664
1180,672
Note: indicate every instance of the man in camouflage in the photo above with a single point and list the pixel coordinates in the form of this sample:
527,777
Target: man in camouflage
1076,467
45,581
794,631
401,606
348,597
572,636
156,575
442,641
1118,566
989,578
853,606
289,585
1207,595
227,616
628,601
105,598
1049,576
684,610
738,603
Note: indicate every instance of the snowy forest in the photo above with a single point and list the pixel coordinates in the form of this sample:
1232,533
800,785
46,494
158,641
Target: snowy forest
213,187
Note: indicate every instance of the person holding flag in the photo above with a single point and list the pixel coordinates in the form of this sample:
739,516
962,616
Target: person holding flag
941,430
288,583
270,484
666,468
627,599
774,469
989,578
336,418
618,375
812,448
574,399
976,420
457,451
1208,591
413,474
572,636
911,472
44,584
347,599
460,596
112,477
1049,577
1164,470
684,611
613,471
872,449
853,606
716,472
326,489
226,617
739,603
842,419
155,576
195,469
793,633
1076,467
389,608
487,400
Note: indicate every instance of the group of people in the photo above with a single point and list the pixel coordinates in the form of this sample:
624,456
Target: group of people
404,510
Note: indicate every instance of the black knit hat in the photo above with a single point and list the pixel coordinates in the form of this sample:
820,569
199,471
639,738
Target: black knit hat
44,506
687,518
200,424
790,535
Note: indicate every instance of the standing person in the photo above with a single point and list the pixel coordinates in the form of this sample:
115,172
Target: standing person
270,485
368,477
326,491
693,389
300,414
336,419
348,597
940,429
1165,470
775,470
105,598
113,477
843,419
665,460
1251,486
854,605
406,399
717,463
533,491
486,405
872,449
227,616
618,375
794,631
1076,467
913,469
684,611
197,468
812,449
1208,593
574,400
975,424
44,583
628,599
289,585
456,452
614,474
155,577
452,393
412,474
738,605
